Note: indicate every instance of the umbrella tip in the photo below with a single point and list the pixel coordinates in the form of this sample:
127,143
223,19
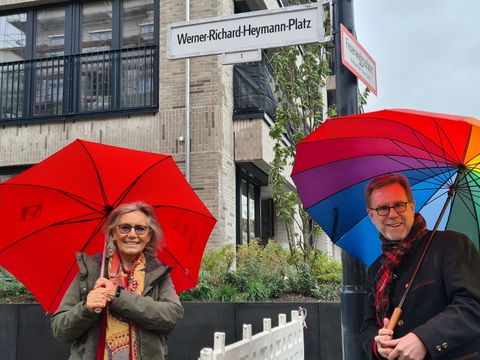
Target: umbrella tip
108,209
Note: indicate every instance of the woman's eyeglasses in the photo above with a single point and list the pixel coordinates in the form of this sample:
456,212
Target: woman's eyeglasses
399,207
126,228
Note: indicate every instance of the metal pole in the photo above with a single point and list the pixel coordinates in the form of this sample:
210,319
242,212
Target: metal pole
187,104
354,292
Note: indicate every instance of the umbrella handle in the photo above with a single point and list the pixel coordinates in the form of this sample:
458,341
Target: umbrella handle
394,318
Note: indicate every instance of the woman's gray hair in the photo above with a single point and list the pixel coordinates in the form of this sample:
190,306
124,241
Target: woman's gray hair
156,239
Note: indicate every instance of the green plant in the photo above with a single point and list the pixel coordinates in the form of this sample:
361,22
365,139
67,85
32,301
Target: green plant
239,280
256,291
11,289
202,292
216,262
263,273
324,269
301,279
225,292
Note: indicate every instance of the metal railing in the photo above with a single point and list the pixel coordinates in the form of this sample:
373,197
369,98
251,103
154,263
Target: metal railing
254,89
112,80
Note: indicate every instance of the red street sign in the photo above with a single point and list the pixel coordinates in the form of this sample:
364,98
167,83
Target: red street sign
357,59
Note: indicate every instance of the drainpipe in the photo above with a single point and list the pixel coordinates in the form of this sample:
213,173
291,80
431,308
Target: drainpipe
187,104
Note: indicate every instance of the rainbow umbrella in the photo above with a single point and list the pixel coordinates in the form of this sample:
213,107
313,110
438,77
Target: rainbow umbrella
439,154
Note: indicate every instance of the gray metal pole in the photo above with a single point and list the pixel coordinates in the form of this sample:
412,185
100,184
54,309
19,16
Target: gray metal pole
354,293
187,104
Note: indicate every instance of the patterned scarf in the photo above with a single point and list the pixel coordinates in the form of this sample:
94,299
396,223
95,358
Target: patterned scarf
393,253
120,333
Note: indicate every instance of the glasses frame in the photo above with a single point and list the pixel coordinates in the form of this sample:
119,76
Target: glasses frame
139,229
399,207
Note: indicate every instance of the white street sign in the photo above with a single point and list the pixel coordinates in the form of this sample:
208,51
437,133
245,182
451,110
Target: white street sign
254,30
357,60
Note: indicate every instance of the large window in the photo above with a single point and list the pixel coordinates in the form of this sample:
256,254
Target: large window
81,58
255,213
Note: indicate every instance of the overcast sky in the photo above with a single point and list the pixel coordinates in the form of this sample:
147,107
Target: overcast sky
427,53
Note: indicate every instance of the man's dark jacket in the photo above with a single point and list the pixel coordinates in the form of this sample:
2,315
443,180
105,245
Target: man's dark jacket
443,305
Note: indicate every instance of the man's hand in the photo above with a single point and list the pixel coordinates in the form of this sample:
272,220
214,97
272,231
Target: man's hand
409,347
385,343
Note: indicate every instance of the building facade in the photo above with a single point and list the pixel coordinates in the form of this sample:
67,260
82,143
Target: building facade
99,71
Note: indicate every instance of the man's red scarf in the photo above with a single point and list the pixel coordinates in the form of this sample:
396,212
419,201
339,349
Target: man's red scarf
393,253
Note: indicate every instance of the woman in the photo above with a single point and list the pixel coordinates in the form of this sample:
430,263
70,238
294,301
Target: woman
126,313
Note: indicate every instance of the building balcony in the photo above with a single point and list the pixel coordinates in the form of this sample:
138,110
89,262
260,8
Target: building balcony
64,86
254,94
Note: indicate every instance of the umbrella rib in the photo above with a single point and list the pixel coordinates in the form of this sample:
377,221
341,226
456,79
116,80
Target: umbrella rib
466,147
461,197
57,293
99,179
442,150
429,175
442,130
132,184
63,222
184,209
475,207
185,271
76,198
91,237
421,161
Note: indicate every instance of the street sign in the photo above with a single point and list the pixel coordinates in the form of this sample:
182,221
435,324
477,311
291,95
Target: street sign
357,60
243,32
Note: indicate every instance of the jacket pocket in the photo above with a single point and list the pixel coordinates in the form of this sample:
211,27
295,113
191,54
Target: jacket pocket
474,355
424,283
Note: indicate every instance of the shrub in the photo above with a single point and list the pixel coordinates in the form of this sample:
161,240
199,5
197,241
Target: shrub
216,263
11,290
301,279
325,269
256,291
225,292
265,272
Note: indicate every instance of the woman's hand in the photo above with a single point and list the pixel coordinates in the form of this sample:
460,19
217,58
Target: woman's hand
96,299
103,292
108,285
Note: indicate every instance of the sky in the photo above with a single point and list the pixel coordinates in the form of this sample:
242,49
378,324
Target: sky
427,53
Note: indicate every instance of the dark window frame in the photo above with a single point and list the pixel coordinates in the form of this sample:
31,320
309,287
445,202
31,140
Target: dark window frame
71,77
243,176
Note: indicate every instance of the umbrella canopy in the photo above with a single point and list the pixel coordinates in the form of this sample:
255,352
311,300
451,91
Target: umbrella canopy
58,207
334,164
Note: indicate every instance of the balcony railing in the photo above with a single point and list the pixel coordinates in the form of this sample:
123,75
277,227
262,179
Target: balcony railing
254,89
69,85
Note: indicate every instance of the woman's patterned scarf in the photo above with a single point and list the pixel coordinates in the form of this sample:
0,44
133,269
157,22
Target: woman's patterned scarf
120,333
393,253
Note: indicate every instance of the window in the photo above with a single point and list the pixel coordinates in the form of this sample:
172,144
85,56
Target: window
12,70
78,59
6,172
249,219
253,220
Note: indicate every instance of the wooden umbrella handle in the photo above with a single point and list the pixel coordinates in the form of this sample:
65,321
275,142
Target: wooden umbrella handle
392,324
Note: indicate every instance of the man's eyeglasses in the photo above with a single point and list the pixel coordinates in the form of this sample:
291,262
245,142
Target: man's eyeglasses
399,207
126,228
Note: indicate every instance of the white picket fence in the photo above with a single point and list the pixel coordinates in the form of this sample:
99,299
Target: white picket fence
283,342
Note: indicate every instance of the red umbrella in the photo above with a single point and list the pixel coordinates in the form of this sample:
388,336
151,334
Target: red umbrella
58,207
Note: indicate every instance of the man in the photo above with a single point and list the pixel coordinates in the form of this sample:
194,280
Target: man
441,313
